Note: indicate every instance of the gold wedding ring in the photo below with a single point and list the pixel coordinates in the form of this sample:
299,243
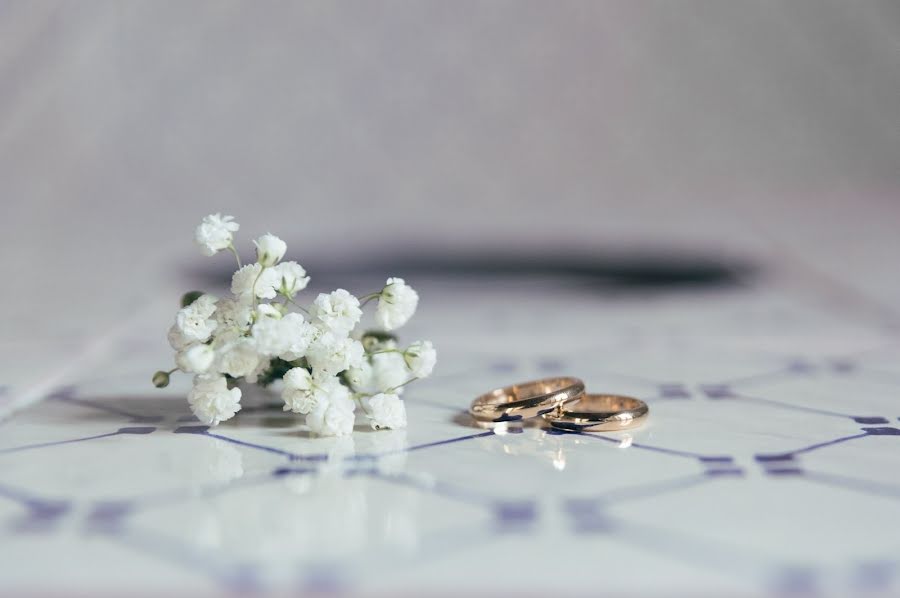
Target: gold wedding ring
526,400
599,413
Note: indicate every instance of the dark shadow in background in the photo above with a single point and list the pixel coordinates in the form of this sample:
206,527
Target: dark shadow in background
641,272
646,271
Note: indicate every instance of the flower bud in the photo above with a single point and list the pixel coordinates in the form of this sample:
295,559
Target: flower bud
267,310
372,340
161,379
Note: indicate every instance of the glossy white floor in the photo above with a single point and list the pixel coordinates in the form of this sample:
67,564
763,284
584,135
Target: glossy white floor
768,464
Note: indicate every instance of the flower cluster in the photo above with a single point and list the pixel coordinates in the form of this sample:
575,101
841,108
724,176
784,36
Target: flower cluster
262,333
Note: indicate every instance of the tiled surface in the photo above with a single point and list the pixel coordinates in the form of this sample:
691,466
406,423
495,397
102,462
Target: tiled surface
768,464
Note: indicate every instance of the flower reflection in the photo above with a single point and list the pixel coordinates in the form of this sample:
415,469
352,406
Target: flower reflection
349,508
338,450
304,510
389,446
209,462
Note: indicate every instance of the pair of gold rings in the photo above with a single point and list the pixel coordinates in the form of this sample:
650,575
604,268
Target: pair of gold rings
562,403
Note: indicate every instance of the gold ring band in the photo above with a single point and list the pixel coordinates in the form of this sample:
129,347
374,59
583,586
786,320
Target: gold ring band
526,400
599,413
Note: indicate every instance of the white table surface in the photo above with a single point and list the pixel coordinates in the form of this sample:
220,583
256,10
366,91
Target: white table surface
768,463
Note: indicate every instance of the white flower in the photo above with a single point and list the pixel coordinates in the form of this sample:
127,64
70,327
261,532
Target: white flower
420,358
361,377
333,416
195,359
268,336
205,304
269,249
389,371
194,322
337,311
291,278
212,401
244,280
299,336
214,233
233,315
237,358
267,310
396,304
298,392
304,392
386,411
333,354
225,337
287,337
177,340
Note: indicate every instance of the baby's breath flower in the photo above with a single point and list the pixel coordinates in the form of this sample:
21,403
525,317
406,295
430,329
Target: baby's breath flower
253,276
298,392
333,354
256,336
333,416
397,303
212,401
300,335
176,339
214,233
195,322
237,358
287,337
337,311
389,371
233,314
242,280
195,359
420,358
386,410
269,249
205,304
361,377
291,278
303,392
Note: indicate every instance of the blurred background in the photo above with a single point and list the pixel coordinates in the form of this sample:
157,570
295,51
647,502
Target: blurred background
439,132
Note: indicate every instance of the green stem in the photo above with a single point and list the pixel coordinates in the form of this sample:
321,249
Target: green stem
253,288
366,298
295,304
358,396
236,256
380,351
401,385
